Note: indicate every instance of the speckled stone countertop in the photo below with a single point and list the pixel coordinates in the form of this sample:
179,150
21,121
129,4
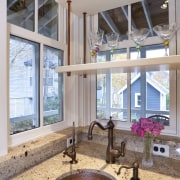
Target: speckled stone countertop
92,156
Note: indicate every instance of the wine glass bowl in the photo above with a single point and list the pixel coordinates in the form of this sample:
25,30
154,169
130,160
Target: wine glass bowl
95,41
112,41
138,36
166,32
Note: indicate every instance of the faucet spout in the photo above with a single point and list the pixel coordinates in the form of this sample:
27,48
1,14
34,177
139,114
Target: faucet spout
93,123
111,152
135,167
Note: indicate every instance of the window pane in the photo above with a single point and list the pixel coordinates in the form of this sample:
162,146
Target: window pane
160,80
118,96
21,13
23,84
101,100
52,86
109,96
114,20
150,90
48,18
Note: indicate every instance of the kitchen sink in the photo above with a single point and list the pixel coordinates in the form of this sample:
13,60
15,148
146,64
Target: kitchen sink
86,174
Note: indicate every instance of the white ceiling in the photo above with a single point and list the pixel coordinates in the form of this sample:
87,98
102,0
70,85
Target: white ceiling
94,6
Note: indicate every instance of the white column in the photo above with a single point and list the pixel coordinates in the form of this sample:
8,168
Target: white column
4,80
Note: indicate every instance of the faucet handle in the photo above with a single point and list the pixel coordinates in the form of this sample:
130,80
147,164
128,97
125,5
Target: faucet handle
123,145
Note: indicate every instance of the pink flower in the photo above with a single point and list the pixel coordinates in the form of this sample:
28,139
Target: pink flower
157,128
140,132
135,127
146,126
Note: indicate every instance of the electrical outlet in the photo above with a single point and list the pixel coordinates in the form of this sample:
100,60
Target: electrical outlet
161,150
70,141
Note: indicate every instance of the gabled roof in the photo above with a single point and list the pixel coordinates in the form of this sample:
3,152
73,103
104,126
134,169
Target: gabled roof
151,81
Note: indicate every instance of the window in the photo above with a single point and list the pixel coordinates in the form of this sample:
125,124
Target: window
22,13
139,94
52,86
23,85
36,90
48,19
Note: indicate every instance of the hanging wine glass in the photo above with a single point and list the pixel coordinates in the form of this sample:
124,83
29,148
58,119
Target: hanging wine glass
95,41
138,36
112,41
166,32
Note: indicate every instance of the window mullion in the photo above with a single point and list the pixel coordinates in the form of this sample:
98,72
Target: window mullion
36,17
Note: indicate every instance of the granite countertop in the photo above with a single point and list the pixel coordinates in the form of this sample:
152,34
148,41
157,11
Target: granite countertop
92,156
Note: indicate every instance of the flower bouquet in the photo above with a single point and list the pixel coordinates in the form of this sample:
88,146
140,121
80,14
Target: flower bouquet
148,129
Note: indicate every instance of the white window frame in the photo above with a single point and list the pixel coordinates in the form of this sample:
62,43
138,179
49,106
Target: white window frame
22,137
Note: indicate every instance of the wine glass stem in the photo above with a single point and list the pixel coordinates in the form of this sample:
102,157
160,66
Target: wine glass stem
138,53
112,54
93,59
166,53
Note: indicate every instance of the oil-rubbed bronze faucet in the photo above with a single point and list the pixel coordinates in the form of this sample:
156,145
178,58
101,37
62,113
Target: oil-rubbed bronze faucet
135,167
111,152
72,153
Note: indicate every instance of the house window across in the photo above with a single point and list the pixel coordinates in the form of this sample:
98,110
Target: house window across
137,98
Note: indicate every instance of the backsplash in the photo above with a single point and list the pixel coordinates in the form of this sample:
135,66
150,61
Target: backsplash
133,143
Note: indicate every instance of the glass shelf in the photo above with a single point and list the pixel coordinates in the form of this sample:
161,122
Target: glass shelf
125,66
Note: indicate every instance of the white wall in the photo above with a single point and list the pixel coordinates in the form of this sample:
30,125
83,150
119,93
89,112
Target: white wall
3,81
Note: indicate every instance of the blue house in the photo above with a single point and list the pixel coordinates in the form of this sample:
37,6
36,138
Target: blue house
155,98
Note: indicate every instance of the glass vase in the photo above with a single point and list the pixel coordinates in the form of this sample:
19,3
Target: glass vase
147,160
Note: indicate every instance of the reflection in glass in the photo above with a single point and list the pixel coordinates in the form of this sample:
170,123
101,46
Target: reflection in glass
52,86
118,17
48,19
166,32
21,13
